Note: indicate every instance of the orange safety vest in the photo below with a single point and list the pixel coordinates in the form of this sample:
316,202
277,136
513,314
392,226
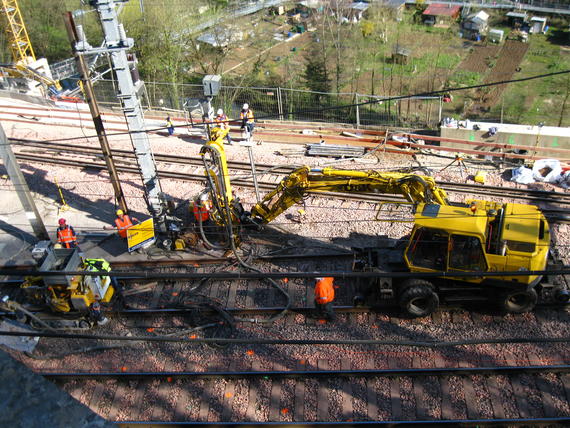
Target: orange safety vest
324,290
201,211
66,236
248,114
123,225
222,121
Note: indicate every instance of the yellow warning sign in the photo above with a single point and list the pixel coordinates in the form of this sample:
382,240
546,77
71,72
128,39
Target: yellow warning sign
141,235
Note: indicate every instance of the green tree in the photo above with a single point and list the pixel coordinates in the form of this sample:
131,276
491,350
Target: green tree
316,76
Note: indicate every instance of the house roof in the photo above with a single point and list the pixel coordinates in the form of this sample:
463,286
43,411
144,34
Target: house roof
439,9
360,6
517,15
395,3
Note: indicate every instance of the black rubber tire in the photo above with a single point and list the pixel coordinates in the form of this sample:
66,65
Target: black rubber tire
418,298
518,301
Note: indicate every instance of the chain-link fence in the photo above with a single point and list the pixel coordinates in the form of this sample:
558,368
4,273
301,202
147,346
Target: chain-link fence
290,104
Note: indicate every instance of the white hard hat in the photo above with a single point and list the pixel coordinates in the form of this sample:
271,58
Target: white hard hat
204,197
220,112
245,106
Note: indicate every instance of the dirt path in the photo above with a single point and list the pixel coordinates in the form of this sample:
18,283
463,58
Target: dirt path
505,67
479,58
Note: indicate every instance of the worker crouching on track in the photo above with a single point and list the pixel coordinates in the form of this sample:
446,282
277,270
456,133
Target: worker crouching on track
222,122
324,297
66,235
123,222
201,209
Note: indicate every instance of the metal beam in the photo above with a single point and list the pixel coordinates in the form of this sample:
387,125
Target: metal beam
22,188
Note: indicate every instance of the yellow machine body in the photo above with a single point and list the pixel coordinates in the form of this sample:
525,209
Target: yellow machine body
479,236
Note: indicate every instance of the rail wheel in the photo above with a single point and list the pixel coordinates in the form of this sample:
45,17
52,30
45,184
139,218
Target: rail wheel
519,301
418,298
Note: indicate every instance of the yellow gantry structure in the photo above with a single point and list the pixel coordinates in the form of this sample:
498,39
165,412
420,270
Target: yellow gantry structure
18,39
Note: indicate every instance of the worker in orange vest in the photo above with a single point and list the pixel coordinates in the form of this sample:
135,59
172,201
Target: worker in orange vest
324,296
201,209
66,235
247,121
123,222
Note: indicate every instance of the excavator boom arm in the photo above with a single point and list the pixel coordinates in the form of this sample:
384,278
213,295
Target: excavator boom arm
293,188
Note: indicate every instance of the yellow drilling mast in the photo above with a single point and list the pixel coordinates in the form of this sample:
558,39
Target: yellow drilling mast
18,39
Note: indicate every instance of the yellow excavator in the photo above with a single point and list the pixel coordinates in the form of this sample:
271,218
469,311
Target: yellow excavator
475,236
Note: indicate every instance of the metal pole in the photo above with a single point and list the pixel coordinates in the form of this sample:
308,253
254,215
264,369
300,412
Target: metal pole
252,163
22,188
357,111
279,104
440,109
94,108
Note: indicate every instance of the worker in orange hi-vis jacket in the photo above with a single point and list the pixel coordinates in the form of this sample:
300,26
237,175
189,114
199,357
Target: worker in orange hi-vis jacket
123,222
324,297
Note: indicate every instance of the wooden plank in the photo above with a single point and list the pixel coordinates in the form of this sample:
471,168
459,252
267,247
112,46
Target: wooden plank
347,408
446,406
119,401
97,397
395,396
252,397
206,398
323,394
565,379
182,402
156,295
299,411
232,293
547,397
520,397
421,411
162,394
229,394
275,400
176,293
138,399
371,396
496,398
250,294
470,398
396,399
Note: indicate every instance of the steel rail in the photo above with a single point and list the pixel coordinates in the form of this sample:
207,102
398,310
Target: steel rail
527,194
411,372
468,423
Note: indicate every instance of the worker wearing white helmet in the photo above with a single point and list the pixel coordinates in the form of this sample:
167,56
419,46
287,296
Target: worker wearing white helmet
222,122
247,120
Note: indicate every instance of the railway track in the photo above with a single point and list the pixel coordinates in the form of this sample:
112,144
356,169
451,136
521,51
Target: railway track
418,395
190,168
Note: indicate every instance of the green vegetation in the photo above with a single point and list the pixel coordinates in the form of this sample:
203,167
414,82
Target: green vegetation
464,78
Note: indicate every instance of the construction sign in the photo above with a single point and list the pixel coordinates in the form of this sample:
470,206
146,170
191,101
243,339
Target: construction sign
141,235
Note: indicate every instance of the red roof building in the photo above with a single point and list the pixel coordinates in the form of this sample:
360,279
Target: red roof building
441,14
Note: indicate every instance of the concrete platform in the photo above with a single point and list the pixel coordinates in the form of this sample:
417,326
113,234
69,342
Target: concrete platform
37,403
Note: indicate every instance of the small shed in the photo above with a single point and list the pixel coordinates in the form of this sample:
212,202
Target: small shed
396,8
516,19
537,25
400,54
475,26
442,15
495,36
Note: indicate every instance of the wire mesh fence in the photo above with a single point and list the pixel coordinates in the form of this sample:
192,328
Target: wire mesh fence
288,104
